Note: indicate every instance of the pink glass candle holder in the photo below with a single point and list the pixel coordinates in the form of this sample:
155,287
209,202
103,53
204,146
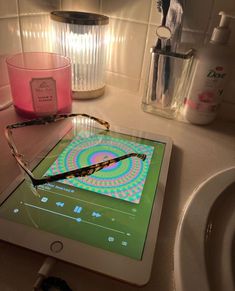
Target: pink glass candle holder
40,83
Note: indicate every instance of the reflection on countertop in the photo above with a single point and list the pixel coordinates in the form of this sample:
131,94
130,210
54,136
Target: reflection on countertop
198,153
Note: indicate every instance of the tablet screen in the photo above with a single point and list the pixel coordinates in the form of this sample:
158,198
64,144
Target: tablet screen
109,209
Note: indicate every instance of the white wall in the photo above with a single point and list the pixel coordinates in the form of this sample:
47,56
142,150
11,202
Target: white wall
132,26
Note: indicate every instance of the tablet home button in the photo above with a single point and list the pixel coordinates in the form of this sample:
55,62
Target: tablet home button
56,246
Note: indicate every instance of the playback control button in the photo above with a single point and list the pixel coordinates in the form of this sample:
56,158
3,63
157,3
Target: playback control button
56,246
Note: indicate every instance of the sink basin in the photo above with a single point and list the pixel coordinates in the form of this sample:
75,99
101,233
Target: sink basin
204,252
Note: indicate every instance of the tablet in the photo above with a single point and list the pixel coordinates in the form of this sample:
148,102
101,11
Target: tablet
106,222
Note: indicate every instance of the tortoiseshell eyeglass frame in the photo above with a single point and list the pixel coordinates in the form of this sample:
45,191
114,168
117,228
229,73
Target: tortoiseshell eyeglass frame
81,172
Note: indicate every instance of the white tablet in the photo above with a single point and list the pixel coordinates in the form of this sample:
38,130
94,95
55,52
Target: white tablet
106,222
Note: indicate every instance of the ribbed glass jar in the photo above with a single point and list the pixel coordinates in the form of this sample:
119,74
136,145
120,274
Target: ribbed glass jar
81,36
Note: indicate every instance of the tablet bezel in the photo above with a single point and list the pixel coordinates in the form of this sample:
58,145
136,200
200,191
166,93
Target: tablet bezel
126,269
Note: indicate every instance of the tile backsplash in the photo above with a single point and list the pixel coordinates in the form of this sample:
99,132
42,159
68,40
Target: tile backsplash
24,26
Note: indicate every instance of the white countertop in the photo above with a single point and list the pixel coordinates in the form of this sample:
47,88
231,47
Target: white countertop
198,153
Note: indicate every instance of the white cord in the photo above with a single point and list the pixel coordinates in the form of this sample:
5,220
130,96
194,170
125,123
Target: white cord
43,272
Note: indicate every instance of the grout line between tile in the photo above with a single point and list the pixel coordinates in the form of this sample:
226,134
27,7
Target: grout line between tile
101,6
144,62
19,22
9,16
128,20
209,22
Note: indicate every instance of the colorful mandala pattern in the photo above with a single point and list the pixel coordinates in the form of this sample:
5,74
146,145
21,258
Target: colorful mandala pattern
123,180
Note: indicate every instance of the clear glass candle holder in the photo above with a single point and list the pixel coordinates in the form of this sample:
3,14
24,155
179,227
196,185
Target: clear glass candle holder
82,37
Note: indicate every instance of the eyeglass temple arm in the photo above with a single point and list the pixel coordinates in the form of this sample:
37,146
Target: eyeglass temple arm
55,118
85,171
10,140
43,121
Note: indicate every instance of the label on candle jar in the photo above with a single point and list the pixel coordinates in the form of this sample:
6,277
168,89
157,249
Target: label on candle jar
44,95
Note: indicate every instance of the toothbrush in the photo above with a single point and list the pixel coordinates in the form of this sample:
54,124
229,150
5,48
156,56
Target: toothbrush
163,7
172,11
174,23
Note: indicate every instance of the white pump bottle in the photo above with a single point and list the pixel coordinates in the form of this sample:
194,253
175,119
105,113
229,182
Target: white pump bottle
210,75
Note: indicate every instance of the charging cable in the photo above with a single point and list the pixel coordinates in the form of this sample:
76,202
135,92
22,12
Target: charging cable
43,272
45,283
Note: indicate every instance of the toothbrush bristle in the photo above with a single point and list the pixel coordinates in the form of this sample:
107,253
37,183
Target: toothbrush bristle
159,5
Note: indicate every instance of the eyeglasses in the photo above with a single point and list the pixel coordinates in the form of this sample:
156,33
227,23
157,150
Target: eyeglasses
80,172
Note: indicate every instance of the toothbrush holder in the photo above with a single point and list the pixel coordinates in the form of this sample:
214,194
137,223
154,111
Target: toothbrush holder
167,82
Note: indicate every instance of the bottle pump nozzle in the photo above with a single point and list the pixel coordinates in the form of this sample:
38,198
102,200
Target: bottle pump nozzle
222,32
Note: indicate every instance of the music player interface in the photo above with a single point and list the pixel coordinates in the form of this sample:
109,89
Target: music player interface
110,209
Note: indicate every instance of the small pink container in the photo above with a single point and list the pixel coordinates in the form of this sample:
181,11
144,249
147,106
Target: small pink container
40,83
